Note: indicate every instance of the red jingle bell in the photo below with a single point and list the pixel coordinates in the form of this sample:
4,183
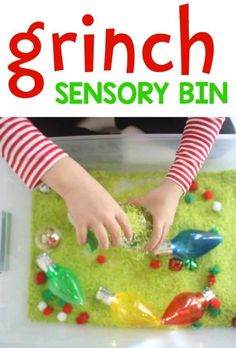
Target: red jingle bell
175,265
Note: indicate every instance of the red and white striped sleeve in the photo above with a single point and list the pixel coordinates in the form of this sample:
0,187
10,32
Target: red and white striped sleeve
27,151
196,142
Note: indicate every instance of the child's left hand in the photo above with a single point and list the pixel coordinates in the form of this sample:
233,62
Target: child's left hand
162,203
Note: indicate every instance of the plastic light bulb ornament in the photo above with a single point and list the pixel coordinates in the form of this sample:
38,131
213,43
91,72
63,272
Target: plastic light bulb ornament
187,308
62,282
189,244
92,243
129,308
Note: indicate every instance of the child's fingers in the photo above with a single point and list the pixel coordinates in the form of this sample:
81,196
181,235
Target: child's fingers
138,201
81,233
125,225
114,229
101,235
166,230
156,235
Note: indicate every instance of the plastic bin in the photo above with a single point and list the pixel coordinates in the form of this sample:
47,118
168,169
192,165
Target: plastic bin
144,152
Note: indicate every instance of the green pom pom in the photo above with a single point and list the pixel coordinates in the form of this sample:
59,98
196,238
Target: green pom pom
214,270
215,230
189,198
214,312
47,295
197,325
61,303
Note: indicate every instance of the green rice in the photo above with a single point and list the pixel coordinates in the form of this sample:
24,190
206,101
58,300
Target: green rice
129,270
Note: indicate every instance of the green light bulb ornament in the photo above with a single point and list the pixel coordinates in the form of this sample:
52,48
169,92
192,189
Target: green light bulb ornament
62,282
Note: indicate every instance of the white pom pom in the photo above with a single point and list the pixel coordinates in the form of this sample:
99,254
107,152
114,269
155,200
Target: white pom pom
217,206
42,305
61,316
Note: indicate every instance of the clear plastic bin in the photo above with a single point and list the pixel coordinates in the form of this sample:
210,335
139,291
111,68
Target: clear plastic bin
118,153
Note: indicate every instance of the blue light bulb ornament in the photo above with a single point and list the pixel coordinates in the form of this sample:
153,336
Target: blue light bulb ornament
189,244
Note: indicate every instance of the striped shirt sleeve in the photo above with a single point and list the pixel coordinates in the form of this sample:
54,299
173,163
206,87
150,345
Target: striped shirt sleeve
27,151
196,142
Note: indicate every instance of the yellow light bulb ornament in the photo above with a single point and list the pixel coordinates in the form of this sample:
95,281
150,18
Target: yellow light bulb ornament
129,308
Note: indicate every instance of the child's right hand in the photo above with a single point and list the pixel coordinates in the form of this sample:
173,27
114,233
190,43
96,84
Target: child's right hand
89,204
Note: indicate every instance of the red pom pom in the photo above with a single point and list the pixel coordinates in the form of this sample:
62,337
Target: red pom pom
82,318
194,186
67,308
47,311
215,303
101,259
40,278
155,264
208,195
211,279
175,265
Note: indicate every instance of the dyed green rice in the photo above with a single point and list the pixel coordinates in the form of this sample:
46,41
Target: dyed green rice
128,269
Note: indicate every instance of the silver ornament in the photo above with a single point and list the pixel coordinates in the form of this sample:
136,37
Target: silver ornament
47,239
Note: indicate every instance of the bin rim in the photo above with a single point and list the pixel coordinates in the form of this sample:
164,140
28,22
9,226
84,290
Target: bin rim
130,137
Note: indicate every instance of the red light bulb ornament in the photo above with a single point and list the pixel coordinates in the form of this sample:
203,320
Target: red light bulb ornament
187,308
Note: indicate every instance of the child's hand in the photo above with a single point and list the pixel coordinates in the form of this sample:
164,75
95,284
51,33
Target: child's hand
161,203
89,204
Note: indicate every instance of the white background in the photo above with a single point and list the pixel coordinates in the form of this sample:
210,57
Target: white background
139,19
